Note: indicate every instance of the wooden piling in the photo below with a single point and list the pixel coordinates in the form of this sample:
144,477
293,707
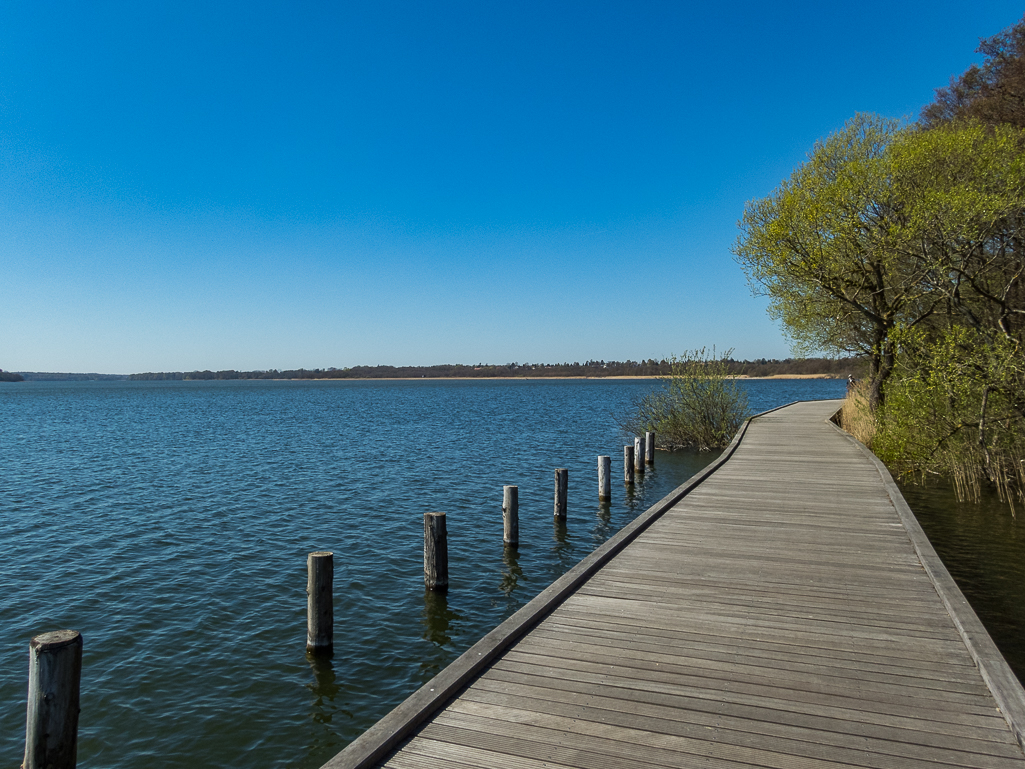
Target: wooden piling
320,612
54,678
604,477
435,552
649,448
511,515
628,464
561,485
639,455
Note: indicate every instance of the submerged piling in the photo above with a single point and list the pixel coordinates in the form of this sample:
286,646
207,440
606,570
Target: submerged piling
649,448
639,455
511,515
561,485
54,679
604,477
435,552
628,464
320,611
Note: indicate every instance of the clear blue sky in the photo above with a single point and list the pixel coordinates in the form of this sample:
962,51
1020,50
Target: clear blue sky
254,185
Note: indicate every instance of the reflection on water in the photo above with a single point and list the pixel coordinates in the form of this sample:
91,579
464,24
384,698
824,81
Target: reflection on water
325,692
982,544
511,572
437,618
603,528
439,625
563,548
630,497
323,687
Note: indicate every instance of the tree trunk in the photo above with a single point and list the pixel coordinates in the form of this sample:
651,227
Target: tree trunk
880,368
988,468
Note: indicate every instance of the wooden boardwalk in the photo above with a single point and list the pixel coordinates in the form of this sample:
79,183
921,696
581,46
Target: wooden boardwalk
786,612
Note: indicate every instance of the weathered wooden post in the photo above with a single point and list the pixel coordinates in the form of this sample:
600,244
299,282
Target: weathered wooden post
54,678
628,464
320,605
604,477
639,455
649,448
561,485
511,515
435,551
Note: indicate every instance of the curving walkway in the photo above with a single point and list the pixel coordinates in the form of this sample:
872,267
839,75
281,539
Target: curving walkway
785,613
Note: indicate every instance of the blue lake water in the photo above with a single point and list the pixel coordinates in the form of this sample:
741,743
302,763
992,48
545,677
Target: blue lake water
169,522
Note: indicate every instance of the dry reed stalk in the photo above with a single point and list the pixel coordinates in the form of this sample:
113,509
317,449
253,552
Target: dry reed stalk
966,468
855,415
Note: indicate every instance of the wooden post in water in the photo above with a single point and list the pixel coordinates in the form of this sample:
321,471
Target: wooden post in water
54,677
511,515
435,552
561,485
604,477
649,448
628,464
639,455
320,605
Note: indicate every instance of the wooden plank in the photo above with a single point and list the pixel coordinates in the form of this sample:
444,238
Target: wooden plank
815,729
679,657
740,633
821,693
753,623
628,664
814,610
698,651
616,745
633,729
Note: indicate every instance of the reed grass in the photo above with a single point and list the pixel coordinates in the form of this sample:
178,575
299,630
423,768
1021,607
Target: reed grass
970,473
699,406
856,416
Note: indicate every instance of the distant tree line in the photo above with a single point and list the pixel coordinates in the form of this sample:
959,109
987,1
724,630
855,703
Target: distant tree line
10,376
593,368
53,376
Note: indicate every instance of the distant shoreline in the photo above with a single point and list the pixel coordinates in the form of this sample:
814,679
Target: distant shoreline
42,377
512,378
762,368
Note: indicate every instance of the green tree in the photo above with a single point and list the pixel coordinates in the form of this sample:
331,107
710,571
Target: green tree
819,247
956,402
961,192
954,407
886,227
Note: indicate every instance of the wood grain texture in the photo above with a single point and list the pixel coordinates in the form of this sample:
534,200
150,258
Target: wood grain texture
320,612
779,615
51,727
604,478
435,552
561,490
511,515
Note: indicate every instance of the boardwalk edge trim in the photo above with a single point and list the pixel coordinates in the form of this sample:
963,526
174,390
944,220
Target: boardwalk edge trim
379,740
1001,680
